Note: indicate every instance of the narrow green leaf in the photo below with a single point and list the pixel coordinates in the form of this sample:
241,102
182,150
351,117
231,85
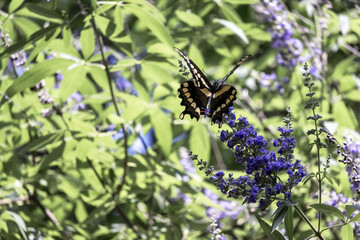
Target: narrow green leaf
234,28
329,179
53,156
279,217
72,81
41,142
70,186
102,23
42,44
37,9
280,208
356,218
308,178
349,210
230,14
83,148
276,235
118,21
328,209
163,130
155,26
347,232
21,44
98,74
80,211
132,102
355,207
34,75
66,33
87,40
14,4
20,223
289,223
190,19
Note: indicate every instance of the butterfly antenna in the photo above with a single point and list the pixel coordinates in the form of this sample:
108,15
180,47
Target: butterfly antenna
238,64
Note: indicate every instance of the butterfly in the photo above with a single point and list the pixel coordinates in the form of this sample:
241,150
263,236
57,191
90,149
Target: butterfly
200,97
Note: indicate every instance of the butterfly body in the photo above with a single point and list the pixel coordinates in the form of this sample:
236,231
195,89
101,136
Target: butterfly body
200,97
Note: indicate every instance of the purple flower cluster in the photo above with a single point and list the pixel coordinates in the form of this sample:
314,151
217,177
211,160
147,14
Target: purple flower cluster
272,82
353,168
121,83
337,200
281,32
266,170
76,98
216,231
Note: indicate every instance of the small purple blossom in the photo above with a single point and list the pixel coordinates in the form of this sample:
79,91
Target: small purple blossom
281,32
77,98
58,79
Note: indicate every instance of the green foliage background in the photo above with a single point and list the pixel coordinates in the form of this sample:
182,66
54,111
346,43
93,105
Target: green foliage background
63,178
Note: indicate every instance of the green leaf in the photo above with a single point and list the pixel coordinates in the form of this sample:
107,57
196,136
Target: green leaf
87,40
347,232
349,210
308,178
234,28
329,179
72,81
70,186
281,213
163,130
230,14
276,235
35,8
66,33
42,44
199,141
118,21
289,223
20,223
190,19
83,148
34,75
356,218
342,67
132,102
348,118
41,142
328,209
155,26
21,44
80,211
14,4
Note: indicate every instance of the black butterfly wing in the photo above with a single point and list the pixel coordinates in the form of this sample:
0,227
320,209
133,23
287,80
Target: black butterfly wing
198,75
194,99
221,101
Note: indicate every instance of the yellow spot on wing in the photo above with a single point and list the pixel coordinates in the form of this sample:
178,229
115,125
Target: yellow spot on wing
197,110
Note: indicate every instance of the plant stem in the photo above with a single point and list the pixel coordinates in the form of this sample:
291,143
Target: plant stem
319,165
107,70
300,212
